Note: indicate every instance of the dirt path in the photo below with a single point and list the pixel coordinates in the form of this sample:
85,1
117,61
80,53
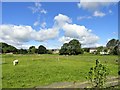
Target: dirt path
112,81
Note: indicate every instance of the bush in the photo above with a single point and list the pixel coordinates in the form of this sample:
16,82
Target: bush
98,75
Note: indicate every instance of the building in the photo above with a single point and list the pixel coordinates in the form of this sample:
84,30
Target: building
92,50
9,53
55,51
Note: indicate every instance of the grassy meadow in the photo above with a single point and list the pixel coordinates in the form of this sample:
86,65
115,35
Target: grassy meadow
40,70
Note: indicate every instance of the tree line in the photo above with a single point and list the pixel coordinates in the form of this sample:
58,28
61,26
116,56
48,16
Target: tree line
112,46
71,48
5,48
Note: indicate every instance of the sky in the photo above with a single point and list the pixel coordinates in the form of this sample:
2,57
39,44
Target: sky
51,24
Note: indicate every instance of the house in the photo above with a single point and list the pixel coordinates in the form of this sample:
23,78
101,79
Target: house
92,50
9,53
55,51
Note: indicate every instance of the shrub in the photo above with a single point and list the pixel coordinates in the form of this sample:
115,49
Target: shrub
98,75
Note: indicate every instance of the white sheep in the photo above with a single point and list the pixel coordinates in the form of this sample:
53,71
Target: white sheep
15,62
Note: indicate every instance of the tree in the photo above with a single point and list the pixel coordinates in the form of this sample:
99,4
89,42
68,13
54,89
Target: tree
114,46
22,51
112,43
8,48
32,50
71,48
42,50
99,49
49,51
116,50
65,49
86,49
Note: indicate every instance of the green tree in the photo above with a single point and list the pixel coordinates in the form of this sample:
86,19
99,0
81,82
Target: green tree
86,49
8,48
112,43
116,50
100,48
22,51
114,46
105,49
71,48
49,51
42,50
32,50
65,49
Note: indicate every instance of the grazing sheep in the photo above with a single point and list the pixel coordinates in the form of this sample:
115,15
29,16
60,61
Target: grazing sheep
15,62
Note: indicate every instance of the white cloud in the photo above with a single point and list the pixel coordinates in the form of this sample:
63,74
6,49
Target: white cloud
98,14
61,19
81,33
36,23
26,46
43,11
45,34
64,39
71,31
84,17
37,8
16,33
94,4
37,4
93,45
43,25
19,34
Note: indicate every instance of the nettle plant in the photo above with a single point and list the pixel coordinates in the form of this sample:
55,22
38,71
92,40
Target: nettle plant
98,75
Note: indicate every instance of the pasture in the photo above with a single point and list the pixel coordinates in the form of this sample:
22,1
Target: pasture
40,70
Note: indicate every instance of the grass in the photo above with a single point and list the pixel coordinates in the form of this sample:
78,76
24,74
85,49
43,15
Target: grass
39,70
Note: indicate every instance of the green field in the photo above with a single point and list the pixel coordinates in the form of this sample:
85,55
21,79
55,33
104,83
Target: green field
39,70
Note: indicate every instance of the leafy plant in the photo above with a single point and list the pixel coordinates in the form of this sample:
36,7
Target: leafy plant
98,75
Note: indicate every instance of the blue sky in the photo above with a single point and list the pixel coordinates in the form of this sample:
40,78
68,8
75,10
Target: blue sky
54,23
